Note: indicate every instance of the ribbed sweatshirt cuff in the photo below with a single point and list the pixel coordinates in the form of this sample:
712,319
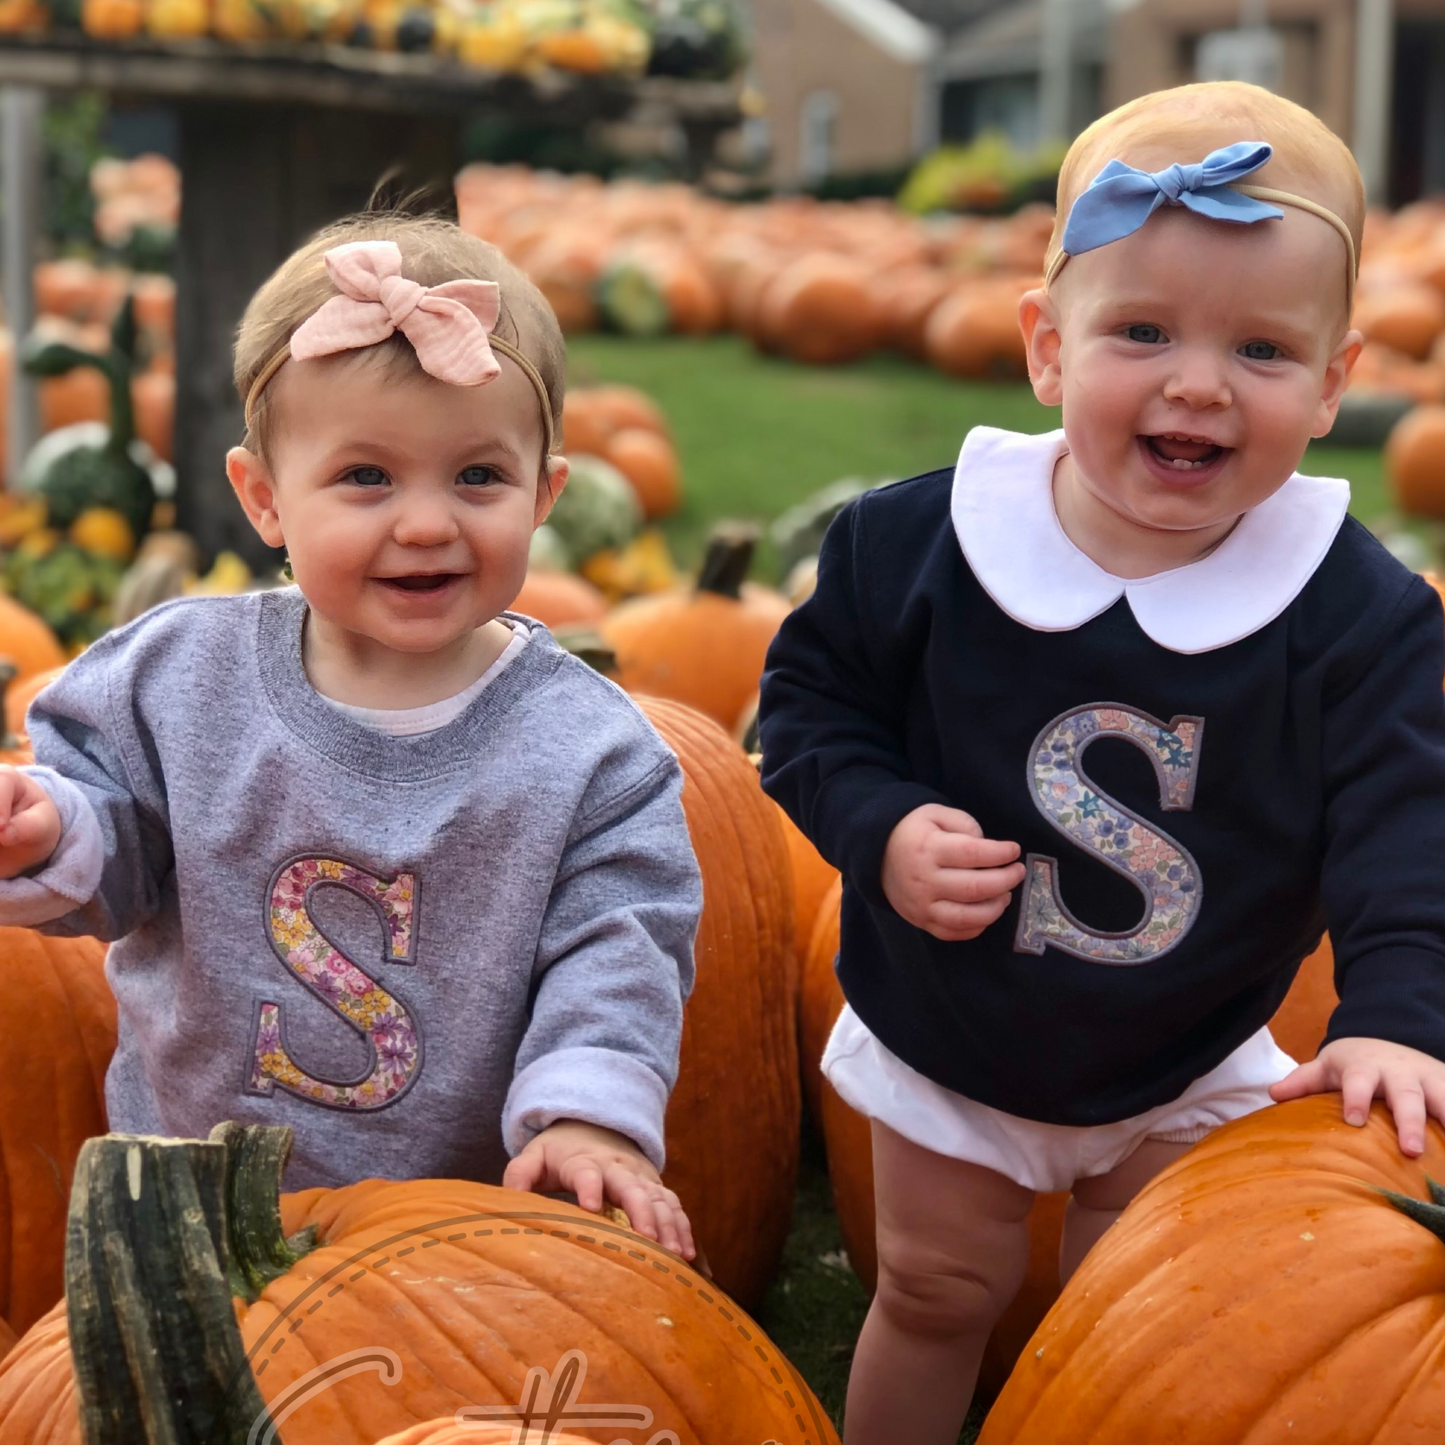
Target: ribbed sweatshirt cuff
596,1085
71,875
864,815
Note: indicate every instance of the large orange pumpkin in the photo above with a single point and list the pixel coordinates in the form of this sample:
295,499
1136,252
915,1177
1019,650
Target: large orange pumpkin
1298,1026
701,645
1415,461
56,1062
455,1295
1285,1280
733,1117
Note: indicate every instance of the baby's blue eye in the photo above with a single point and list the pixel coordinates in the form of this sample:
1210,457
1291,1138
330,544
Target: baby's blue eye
1259,351
1149,335
367,476
477,476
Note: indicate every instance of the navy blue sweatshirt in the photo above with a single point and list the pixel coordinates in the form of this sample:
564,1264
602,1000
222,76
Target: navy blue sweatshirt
1192,819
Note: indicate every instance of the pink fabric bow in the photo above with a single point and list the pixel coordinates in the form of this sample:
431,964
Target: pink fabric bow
446,324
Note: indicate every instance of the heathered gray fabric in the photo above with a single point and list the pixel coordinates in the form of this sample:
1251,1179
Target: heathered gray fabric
556,897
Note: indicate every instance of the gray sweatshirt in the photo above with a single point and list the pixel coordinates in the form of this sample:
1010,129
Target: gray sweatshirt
415,951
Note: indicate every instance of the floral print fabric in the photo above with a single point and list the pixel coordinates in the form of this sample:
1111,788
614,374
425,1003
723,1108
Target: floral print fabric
1160,867
327,972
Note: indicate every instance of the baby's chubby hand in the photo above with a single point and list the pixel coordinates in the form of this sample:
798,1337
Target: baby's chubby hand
597,1164
944,876
29,822
1412,1084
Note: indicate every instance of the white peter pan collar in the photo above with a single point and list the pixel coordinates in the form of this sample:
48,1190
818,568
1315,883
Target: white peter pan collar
1003,514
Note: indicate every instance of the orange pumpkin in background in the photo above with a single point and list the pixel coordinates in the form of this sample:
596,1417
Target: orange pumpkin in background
19,694
1415,461
27,641
80,395
446,1431
619,407
64,288
975,331
557,599
647,459
906,299
1406,316
820,310
702,645
153,397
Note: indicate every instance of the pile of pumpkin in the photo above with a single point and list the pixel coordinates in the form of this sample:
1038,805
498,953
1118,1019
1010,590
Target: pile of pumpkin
1400,303
814,281
689,38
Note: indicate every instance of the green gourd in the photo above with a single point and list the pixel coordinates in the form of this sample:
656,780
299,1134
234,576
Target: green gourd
86,475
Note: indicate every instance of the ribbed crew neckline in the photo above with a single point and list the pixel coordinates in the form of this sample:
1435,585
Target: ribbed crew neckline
364,749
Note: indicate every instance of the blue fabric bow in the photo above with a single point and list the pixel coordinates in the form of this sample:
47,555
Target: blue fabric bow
1120,199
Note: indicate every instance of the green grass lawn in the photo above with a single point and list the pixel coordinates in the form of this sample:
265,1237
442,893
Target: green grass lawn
756,434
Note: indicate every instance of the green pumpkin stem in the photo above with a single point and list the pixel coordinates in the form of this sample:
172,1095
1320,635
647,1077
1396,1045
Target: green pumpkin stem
729,557
8,673
259,1252
1431,1215
158,1355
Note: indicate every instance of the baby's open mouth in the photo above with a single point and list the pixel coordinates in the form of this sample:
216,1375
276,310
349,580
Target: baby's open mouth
421,581
1184,453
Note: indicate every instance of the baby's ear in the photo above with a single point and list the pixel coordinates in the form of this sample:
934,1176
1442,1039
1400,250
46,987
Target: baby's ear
549,486
1039,321
255,489
1337,376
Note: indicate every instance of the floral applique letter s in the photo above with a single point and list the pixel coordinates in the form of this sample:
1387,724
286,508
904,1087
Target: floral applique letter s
391,1033
1158,866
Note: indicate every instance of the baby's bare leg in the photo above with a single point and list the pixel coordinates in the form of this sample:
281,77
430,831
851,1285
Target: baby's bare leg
1098,1202
953,1249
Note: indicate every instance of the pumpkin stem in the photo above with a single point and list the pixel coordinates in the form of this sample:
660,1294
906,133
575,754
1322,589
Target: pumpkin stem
256,1157
8,673
1431,1215
583,640
157,1351
729,555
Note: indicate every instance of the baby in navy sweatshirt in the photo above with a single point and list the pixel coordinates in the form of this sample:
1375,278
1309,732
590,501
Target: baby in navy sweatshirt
1104,727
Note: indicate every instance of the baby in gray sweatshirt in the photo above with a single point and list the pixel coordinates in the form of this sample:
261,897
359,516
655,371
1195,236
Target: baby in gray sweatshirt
381,861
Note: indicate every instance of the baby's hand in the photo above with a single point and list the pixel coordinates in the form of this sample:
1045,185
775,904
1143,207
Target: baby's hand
944,876
1412,1084
29,822
597,1164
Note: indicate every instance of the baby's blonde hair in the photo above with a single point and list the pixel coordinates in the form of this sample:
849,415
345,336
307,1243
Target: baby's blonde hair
433,250
1188,122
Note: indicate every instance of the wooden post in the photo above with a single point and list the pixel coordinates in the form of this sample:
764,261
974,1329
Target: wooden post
21,109
1374,76
258,181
